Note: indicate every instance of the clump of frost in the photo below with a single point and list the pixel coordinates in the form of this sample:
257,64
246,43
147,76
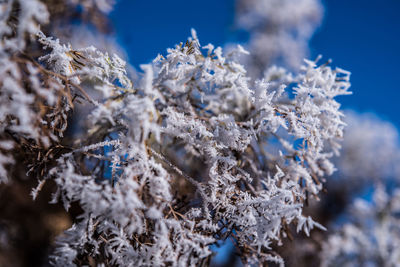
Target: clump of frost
19,22
279,31
366,133
105,6
372,238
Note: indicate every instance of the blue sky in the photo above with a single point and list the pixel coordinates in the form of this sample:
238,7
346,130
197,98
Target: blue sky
360,36
146,28
364,38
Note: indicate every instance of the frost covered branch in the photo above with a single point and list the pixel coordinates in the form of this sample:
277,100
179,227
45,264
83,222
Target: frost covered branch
191,153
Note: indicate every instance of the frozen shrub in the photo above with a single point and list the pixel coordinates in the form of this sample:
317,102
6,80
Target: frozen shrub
372,237
278,31
192,152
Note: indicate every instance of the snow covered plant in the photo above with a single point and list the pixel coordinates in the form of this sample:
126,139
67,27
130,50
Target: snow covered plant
279,31
32,109
191,153
371,234
365,133
372,238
